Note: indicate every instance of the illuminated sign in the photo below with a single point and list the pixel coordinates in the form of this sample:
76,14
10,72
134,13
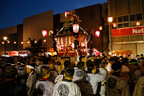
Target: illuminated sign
128,31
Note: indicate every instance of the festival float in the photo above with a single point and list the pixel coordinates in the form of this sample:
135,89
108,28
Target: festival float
72,40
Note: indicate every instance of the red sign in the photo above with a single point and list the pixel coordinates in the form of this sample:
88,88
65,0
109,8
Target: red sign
19,53
128,31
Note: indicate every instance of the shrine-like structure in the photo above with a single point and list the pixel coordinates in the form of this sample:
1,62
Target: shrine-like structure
65,43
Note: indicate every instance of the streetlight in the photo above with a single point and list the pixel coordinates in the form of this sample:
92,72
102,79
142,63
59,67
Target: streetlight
14,42
5,39
110,20
138,23
44,40
21,42
8,42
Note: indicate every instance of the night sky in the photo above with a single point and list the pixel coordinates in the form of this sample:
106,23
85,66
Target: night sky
12,12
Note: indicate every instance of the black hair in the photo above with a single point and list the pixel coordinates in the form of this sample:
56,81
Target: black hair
90,67
134,62
124,61
97,62
69,72
57,63
67,63
44,70
111,59
116,66
11,72
88,62
80,64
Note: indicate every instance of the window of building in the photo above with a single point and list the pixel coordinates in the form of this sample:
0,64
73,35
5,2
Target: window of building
125,18
132,17
126,24
120,19
120,25
139,16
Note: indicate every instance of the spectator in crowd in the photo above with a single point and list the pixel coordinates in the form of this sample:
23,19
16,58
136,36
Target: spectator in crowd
139,88
44,87
79,73
53,72
10,86
138,73
109,66
66,65
31,81
115,85
67,87
92,81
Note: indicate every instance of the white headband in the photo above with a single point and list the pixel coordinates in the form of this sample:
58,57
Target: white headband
31,67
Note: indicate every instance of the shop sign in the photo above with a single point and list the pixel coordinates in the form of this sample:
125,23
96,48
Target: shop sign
128,31
19,53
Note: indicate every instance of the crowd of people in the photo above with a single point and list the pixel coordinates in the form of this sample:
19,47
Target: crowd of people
89,76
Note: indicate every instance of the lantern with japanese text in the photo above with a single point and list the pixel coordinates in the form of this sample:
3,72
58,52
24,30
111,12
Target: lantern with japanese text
66,14
97,33
44,33
75,28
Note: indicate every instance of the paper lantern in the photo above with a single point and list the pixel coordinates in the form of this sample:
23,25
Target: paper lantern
66,14
44,33
110,19
75,28
97,33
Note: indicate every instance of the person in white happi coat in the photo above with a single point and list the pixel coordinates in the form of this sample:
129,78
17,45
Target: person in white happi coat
115,85
92,84
79,73
67,87
44,87
109,65
31,81
139,88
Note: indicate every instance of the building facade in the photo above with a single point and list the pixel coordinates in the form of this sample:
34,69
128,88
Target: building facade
128,16
92,17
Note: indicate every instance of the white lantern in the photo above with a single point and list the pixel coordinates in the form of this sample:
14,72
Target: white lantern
110,19
44,33
75,28
66,14
97,33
